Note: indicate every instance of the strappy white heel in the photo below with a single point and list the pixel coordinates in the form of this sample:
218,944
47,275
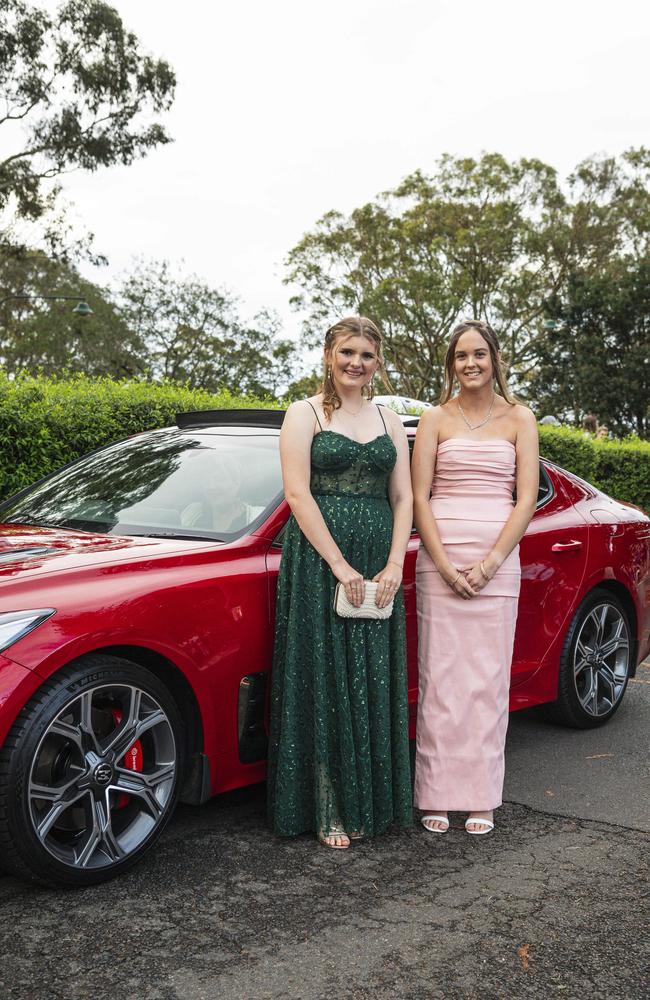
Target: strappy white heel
439,819
486,823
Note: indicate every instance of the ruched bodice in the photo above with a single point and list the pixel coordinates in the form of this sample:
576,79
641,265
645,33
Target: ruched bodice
471,500
474,479
341,466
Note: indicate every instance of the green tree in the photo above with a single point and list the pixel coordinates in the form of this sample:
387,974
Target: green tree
192,332
474,239
596,356
595,353
307,385
77,92
484,238
40,334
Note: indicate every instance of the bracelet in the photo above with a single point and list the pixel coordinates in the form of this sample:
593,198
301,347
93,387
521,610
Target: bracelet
457,577
395,563
482,569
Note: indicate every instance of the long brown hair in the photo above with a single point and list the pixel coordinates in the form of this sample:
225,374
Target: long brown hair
350,326
491,339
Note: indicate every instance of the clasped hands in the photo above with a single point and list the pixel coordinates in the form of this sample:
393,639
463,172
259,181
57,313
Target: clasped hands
389,580
468,582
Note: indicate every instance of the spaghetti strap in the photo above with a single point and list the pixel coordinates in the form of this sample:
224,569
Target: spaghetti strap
315,414
379,405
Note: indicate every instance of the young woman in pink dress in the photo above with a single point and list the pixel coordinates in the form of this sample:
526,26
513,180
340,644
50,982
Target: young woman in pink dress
470,452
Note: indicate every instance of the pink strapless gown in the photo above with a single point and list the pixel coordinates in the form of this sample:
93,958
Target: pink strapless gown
465,647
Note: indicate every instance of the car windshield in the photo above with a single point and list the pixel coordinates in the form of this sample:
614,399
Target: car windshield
212,484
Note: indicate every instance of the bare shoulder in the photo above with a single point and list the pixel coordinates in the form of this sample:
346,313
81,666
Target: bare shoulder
524,417
299,420
431,419
391,418
526,435
298,410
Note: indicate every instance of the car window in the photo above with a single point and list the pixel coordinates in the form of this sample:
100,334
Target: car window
545,491
165,482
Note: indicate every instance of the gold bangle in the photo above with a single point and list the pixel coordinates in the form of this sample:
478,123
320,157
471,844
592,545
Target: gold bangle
482,569
395,563
457,577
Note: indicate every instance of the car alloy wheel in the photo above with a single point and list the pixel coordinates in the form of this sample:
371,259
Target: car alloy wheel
90,773
88,805
601,660
595,662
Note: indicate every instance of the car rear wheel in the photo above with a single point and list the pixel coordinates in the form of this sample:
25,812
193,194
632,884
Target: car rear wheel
595,662
90,773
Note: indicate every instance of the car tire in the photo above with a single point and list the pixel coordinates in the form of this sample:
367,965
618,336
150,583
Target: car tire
594,664
89,773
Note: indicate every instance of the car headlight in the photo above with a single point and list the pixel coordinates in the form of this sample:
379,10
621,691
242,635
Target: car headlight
16,624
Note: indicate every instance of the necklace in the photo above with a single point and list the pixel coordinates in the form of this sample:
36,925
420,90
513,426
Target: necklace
474,427
353,413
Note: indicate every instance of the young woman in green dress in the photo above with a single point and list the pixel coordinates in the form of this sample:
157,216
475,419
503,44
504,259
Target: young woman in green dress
338,756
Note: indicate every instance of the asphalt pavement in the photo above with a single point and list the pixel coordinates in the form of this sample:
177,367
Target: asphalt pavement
599,774
554,904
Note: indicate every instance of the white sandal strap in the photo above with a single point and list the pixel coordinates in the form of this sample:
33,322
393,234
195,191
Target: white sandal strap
432,816
487,823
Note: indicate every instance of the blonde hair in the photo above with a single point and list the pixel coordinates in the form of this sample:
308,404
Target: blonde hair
491,339
351,326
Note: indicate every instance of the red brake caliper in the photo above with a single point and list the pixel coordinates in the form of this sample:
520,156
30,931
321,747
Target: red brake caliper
132,759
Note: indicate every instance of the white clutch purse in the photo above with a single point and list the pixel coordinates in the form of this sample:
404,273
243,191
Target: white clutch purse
366,610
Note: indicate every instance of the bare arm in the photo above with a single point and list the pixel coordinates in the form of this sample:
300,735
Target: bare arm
296,438
527,446
401,500
422,473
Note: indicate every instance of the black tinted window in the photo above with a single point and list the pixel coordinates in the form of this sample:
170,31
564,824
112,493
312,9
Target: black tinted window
166,481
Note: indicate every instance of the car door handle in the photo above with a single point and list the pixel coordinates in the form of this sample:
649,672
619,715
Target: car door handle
566,546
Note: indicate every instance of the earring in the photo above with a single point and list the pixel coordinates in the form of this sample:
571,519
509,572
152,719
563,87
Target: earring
329,373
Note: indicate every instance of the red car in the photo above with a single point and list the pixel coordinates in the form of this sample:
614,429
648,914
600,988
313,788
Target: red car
136,629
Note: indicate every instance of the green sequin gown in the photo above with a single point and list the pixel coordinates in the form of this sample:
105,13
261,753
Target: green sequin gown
338,749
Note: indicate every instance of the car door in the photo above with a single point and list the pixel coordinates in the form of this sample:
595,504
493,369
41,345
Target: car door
553,555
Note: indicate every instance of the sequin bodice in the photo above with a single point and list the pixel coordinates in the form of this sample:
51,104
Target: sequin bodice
341,466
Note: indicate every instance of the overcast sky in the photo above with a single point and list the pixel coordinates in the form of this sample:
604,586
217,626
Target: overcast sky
289,108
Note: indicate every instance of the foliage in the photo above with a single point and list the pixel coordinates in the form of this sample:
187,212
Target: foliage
303,387
39,334
487,238
623,470
619,468
597,358
473,238
47,422
571,449
191,332
77,92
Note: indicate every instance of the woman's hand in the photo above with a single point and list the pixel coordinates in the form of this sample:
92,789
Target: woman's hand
389,580
352,581
479,575
458,582
475,577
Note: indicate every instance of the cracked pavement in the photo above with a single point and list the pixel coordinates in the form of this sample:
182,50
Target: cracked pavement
554,904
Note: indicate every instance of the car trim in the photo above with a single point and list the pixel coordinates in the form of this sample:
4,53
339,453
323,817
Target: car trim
224,418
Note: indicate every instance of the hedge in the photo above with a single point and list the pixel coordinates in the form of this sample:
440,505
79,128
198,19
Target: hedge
47,422
619,468
623,470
